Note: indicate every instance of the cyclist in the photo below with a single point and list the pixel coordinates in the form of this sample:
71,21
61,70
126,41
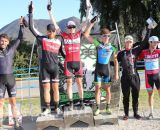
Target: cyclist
7,80
72,64
151,58
50,46
102,71
130,79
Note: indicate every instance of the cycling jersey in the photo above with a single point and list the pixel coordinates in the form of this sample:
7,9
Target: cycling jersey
102,70
152,68
7,55
7,80
104,52
50,49
72,46
127,58
151,60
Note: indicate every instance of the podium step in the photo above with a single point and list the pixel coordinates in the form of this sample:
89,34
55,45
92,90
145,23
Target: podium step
79,118
50,122
104,119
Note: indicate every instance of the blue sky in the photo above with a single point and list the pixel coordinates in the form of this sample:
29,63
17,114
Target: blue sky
13,9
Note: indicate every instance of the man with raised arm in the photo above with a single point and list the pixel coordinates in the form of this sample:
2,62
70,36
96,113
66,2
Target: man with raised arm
72,64
51,46
102,71
130,81
7,79
151,58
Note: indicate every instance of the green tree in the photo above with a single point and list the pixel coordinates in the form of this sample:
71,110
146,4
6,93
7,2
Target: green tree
130,15
22,56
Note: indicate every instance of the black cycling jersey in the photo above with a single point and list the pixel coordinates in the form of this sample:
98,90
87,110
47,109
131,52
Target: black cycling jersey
7,55
127,58
50,47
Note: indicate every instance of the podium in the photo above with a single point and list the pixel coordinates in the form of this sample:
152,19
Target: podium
50,122
79,118
105,119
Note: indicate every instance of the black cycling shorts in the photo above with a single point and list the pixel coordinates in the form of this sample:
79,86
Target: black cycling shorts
50,73
152,79
73,67
7,81
102,74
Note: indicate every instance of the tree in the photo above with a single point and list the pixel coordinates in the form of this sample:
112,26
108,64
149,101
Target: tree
22,57
130,15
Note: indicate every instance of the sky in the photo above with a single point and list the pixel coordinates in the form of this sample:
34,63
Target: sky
61,9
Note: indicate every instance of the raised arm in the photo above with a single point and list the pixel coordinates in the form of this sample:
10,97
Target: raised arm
62,52
88,30
88,11
31,26
25,22
53,20
143,44
20,34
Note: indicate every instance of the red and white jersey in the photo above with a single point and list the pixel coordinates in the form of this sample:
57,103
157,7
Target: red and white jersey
151,60
72,45
50,50
51,45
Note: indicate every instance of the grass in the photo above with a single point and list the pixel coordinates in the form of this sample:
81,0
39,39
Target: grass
143,100
35,107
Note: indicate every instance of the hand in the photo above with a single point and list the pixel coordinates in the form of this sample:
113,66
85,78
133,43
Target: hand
94,19
21,21
25,23
30,7
49,7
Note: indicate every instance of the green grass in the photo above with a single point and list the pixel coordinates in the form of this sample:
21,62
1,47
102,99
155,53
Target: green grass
143,100
28,107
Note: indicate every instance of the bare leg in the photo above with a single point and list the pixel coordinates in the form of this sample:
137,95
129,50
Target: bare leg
80,87
12,101
55,87
69,88
150,100
1,110
108,94
97,93
47,96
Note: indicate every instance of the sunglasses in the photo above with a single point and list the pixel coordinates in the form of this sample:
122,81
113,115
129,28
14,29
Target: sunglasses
70,27
155,42
105,35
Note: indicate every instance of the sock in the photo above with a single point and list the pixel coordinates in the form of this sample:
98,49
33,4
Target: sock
98,106
47,105
107,105
81,101
70,102
56,104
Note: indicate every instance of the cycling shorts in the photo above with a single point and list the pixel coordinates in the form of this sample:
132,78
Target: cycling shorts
102,74
73,67
7,82
151,80
50,73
